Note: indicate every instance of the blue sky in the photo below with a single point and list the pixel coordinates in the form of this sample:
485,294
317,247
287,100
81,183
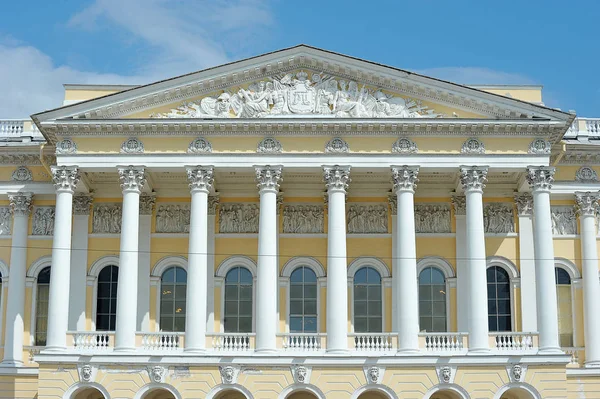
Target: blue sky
44,44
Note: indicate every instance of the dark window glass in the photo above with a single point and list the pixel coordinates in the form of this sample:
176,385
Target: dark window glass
303,300
565,307
173,287
499,306
432,300
106,303
41,306
367,300
238,300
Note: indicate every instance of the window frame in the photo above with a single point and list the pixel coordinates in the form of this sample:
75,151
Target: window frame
95,303
92,279
31,281
304,315
575,276
386,282
222,270
449,277
510,296
159,298
447,294
514,282
156,282
34,325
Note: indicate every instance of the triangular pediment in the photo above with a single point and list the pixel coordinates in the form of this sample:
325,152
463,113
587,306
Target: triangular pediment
302,82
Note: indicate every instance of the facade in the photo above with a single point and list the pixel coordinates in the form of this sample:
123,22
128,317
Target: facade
301,224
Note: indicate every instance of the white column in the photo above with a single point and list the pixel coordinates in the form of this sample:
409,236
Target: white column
79,261
540,180
337,179
20,205
65,180
587,206
267,178
132,180
462,265
147,202
392,199
213,201
200,180
473,181
405,182
527,262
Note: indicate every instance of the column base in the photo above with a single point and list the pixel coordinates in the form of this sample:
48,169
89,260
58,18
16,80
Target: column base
337,351
265,351
54,349
478,351
194,350
550,351
408,351
11,364
125,349
588,365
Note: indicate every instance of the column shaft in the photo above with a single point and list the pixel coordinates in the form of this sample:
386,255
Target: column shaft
266,283
79,260
210,268
462,264
588,207
540,179
473,180
200,180
337,179
527,262
145,226
405,179
20,204
132,180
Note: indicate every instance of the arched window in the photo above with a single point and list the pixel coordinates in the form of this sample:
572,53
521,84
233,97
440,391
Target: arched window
41,306
432,300
565,307
498,288
303,300
106,304
367,300
173,286
238,300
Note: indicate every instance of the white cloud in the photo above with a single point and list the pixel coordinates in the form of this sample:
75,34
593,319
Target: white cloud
183,36
476,76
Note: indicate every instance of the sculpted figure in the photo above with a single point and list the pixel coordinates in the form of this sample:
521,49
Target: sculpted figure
445,374
373,375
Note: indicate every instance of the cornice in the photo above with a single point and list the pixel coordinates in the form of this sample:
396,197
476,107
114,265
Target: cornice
303,127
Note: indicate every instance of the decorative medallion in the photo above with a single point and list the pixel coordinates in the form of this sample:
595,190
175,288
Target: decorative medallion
586,174
229,374
132,146
269,145
22,173
337,145
199,146
66,146
473,146
301,374
157,373
404,146
516,372
86,372
373,374
540,146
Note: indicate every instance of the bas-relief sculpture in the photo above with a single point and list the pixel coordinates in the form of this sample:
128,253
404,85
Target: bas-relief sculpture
367,219
107,219
43,221
296,94
432,218
498,218
5,221
564,220
303,219
173,218
238,218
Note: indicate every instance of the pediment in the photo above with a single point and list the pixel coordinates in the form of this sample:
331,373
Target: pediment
301,82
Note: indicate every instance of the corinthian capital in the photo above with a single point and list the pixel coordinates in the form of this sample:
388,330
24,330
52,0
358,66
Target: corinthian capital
200,178
540,177
524,204
268,177
587,203
473,178
82,204
132,178
20,203
65,177
405,178
336,177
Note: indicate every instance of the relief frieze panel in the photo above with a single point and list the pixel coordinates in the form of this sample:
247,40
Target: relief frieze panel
303,219
367,219
564,220
173,218
238,218
107,218
302,93
498,218
432,218
5,221
43,221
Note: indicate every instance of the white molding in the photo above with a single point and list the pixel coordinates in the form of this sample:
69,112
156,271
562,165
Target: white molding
381,389
236,235
454,388
294,388
370,261
568,266
518,385
141,393
308,261
576,283
217,390
37,266
168,261
4,270
233,261
368,235
437,262
81,386
169,235
101,263
504,263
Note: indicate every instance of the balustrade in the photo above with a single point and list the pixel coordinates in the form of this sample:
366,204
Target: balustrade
576,358
373,341
302,341
162,340
593,126
11,127
92,340
232,342
443,342
514,341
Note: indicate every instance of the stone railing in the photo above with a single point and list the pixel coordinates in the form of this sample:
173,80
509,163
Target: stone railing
161,340
93,340
11,128
513,341
584,127
232,342
577,354
443,342
309,342
373,342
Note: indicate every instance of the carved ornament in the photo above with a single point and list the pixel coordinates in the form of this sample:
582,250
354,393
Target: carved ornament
22,174
147,202
460,204
5,221
374,374
367,219
66,146
106,218
157,373
132,178
302,93
200,178
213,202
473,146
540,178
238,218
43,221
337,145
86,373
20,203
540,146
336,177
432,218
82,204
586,174
587,203
405,178
393,201
301,374
524,204
564,220
473,178
199,146
498,218
404,146
268,177
132,146
65,177
303,219
229,374
269,145
173,218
